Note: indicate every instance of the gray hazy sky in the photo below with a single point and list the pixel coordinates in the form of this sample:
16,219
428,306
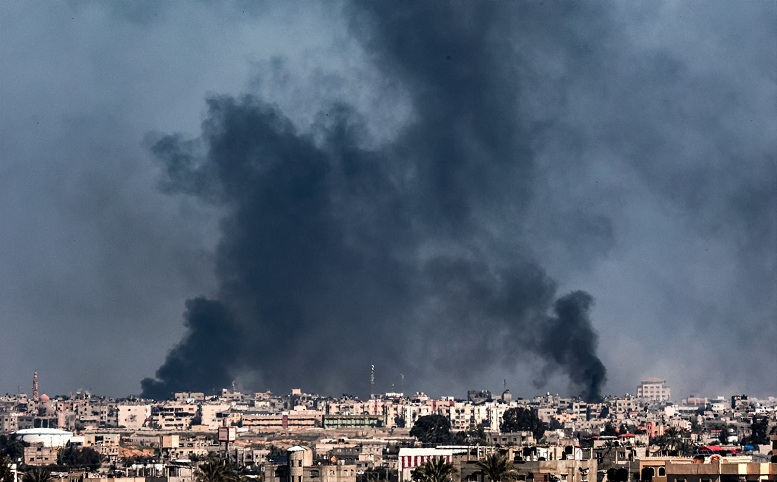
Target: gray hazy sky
651,130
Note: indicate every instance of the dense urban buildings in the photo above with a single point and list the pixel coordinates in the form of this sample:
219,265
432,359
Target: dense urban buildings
303,437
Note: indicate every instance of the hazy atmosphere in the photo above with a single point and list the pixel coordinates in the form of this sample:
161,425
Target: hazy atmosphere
559,196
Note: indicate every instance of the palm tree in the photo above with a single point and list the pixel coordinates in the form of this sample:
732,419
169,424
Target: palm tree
436,469
37,474
216,470
496,467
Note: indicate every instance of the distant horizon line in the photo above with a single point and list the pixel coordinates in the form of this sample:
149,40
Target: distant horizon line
381,395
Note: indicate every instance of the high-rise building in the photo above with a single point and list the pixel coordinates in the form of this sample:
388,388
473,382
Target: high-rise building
653,389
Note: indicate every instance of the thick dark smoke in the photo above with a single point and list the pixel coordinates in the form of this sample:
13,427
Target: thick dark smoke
202,357
335,255
571,342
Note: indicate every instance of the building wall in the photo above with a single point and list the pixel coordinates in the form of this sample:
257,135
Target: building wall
352,421
9,422
654,389
132,416
330,473
213,414
40,455
541,471
411,458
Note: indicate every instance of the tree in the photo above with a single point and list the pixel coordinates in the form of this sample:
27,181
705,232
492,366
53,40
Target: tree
674,443
6,475
216,470
436,469
82,457
496,467
14,449
432,430
37,474
520,419
474,436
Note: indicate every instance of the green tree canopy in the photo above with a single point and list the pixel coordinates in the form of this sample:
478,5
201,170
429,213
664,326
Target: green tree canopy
436,469
81,457
496,467
37,474
14,449
216,470
519,419
432,430
476,436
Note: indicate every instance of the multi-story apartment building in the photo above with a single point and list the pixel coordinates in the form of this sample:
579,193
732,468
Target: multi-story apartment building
299,466
173,415
132,416
653,389
213,414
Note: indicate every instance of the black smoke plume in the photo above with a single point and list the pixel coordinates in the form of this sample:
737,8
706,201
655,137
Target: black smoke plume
335,255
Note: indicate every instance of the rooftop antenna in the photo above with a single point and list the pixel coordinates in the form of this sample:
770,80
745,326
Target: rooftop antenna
402,378
372,381
35,386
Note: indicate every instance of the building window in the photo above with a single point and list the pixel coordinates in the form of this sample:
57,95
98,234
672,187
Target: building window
662,472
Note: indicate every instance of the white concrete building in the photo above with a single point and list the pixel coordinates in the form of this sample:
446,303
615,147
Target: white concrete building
133,416
653,389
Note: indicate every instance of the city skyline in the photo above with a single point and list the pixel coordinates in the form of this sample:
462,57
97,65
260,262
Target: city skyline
376,391
571,197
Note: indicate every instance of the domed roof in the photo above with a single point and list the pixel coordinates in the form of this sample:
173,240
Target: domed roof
44,398
42,431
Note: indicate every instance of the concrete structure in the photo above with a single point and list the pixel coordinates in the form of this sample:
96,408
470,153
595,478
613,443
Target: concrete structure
712,468
173,416
269,422
133,417
40,455
352,421
47,437
410,459
299,467
568,470
654,389
9,421
213,414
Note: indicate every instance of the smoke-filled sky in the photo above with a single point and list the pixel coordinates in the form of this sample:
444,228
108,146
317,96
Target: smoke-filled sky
460,193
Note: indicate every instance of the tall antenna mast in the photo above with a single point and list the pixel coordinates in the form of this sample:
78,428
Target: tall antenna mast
35,386
372,381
